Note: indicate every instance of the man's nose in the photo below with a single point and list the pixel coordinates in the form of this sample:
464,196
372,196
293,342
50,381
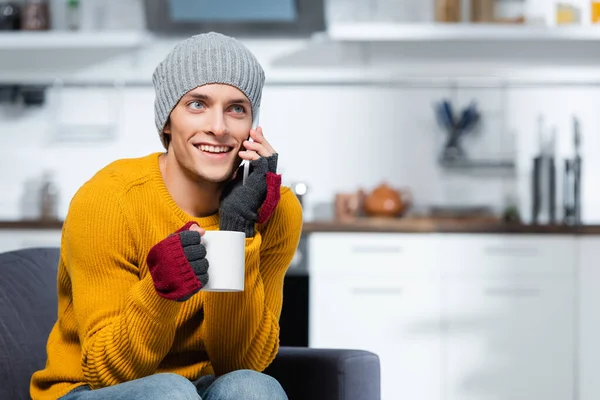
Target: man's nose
217,123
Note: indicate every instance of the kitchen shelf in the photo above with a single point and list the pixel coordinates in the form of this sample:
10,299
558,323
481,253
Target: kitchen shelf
42,53
479,165
428,55
398,32
399,78
118,41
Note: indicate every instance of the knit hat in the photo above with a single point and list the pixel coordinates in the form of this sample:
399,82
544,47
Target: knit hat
203,59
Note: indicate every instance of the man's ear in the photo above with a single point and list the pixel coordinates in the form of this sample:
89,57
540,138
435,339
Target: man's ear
167,128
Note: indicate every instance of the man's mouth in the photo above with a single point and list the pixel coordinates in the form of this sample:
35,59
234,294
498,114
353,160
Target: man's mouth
214,149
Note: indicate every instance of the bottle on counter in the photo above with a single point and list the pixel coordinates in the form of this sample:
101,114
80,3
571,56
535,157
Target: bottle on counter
48,198
73,14
544,178
30,200
572,181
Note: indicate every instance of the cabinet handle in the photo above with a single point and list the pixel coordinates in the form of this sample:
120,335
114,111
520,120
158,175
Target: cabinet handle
512,291
377,290
376,249
511,251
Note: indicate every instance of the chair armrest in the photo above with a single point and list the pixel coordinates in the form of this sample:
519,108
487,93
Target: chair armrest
327,374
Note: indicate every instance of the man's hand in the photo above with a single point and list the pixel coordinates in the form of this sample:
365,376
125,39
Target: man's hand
260,147
178,263
244,205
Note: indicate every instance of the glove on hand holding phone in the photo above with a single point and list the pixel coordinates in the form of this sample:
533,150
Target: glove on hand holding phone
243,205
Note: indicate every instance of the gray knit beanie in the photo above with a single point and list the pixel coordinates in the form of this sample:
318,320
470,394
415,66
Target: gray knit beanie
203,59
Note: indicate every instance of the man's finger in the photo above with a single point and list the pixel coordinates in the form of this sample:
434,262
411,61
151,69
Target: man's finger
258,147
249,155
258,137
197,228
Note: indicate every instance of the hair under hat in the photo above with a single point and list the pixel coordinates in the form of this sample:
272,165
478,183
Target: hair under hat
204,59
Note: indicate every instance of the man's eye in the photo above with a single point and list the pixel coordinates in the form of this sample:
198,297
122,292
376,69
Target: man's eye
238,109
196,105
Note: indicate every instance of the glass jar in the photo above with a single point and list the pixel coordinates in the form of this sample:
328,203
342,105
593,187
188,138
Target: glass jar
10,16
35,16
448,10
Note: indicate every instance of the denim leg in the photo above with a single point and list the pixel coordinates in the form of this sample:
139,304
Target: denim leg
242,384
154,387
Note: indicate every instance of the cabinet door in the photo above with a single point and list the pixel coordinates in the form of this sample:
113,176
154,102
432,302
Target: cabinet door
379,254
509,340
508,257
396,318
589,318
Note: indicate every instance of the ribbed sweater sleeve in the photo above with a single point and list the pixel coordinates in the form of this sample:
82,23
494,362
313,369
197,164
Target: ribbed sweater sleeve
241,330
125,328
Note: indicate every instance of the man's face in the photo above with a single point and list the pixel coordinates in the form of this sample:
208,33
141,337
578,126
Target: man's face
207,128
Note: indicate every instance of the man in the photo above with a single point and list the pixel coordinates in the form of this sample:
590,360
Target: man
133,321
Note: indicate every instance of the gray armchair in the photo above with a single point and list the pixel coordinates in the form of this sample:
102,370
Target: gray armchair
28,311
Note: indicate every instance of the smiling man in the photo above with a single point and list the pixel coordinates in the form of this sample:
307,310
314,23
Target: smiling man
133,321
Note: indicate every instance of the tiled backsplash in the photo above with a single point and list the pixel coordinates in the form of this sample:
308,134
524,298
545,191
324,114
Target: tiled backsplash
335,138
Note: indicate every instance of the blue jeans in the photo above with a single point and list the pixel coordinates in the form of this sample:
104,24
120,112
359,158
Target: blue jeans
236,385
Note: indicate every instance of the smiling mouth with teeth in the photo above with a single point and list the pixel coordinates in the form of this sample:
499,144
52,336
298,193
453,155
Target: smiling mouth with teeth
214,149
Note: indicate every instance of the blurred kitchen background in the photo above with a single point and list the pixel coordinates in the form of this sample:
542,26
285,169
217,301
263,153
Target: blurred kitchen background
446,153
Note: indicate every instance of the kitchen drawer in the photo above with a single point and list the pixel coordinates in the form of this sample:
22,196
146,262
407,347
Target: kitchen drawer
389,254
504,256
504,340
399,320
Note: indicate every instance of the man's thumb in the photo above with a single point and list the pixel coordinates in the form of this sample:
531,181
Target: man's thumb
196,228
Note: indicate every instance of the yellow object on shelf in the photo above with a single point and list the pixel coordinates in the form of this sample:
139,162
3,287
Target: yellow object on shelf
595,11
567,14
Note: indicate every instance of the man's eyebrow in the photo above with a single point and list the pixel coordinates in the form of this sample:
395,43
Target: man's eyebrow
197,96
207,98
241,100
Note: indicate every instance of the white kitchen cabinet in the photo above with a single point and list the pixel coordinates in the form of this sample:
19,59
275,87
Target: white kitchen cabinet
589,318
383,299
508,339
396,319
507,256
23,238
508,315
379,253
452,316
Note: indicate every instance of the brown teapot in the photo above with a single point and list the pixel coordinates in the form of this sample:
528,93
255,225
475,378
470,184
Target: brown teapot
385,201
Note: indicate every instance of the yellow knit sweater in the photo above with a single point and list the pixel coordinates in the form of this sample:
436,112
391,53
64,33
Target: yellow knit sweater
113,327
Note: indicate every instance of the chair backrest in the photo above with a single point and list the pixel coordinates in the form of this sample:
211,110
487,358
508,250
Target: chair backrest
28,310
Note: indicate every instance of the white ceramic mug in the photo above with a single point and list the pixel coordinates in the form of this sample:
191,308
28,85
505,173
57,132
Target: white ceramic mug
225,252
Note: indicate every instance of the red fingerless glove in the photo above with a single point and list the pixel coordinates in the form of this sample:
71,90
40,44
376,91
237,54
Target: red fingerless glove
272,198
178,264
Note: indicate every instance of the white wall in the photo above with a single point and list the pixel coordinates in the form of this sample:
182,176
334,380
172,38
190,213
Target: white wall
335,138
